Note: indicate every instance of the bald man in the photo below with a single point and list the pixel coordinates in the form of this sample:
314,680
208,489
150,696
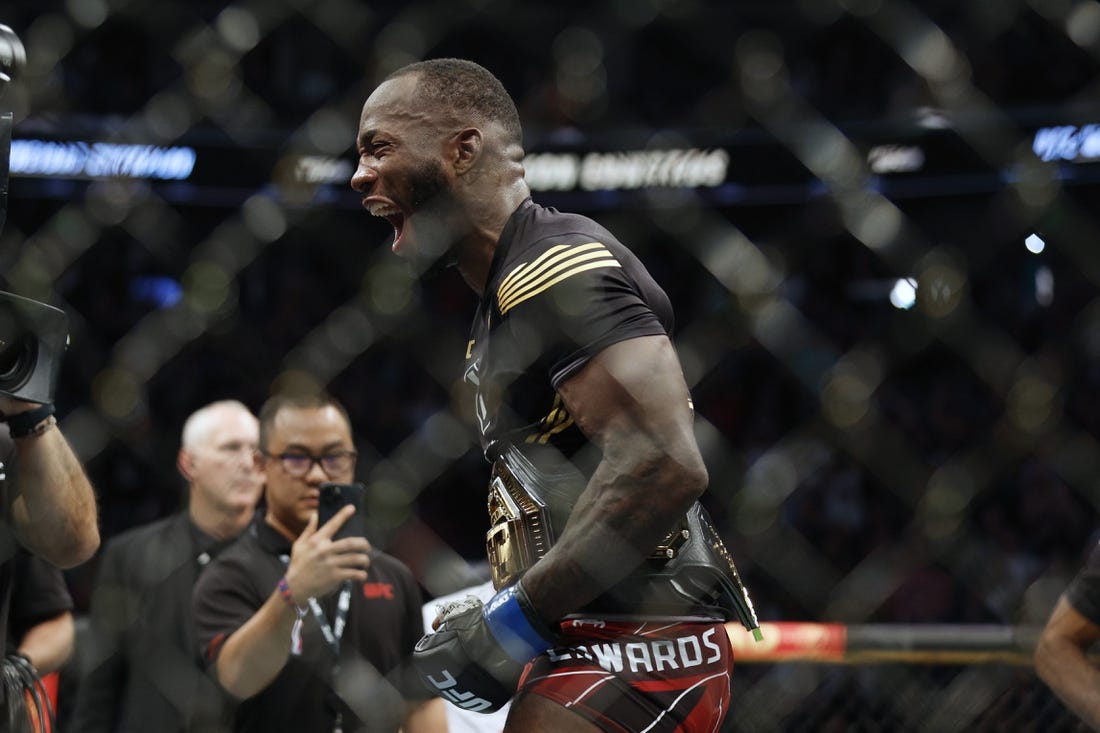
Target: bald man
599,546
140,671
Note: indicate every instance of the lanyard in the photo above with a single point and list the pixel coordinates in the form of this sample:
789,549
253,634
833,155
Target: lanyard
333,633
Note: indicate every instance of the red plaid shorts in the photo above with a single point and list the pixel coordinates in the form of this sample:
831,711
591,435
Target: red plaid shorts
638,677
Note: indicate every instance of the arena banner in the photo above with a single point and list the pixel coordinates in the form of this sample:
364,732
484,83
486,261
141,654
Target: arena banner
746,168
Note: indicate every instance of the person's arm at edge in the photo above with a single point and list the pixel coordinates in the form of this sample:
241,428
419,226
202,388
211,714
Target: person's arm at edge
49,644
54,506
631,401
1061,661
253,655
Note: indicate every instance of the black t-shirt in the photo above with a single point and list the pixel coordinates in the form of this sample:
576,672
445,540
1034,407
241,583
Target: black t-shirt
1083,592
561,288
374,676
39,593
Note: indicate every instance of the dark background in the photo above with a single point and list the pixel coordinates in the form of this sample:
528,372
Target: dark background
868,463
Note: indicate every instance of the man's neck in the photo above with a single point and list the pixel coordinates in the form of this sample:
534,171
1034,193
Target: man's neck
221,525
273,522
475,253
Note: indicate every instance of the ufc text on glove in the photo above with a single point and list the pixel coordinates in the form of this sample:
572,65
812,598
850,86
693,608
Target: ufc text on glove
477,656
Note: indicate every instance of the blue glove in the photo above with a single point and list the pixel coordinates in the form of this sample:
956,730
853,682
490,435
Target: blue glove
477,656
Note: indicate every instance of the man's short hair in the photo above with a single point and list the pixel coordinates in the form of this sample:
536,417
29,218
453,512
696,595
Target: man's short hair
295,401
465,87
197,426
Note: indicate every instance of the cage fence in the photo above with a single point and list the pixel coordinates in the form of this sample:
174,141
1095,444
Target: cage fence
880,677
896,697
876,220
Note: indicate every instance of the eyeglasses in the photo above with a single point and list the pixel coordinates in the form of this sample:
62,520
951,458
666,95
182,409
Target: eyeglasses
298,463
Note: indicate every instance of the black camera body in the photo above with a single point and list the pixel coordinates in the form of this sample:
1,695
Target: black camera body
33,339
33,335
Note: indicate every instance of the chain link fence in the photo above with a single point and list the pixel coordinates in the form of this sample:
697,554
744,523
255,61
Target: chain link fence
895,697
892,677
897,398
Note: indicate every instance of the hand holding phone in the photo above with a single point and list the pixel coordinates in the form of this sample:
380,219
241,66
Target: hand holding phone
335,496
341,554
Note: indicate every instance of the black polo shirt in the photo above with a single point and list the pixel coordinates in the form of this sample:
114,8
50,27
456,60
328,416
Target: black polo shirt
373,677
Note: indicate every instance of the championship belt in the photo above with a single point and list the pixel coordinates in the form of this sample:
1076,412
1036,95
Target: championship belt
704,571
520,530
523,506
690,572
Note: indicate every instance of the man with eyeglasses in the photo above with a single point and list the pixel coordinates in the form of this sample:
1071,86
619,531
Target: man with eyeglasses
310,631
140,668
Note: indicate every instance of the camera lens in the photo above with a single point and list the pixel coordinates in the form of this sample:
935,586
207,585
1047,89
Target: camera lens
18,351
13,57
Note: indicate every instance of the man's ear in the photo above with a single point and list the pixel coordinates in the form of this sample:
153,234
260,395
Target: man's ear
185,462
467,149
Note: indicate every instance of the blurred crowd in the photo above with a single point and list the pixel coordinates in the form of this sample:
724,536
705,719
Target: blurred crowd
974,517
969,512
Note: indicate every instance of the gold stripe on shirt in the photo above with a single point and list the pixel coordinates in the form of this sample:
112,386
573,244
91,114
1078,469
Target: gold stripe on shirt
561,268
557,420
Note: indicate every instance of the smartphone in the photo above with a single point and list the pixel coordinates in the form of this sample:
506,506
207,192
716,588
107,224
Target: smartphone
333,497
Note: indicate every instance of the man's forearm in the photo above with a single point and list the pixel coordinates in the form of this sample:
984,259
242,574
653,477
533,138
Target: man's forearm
55,510
631,402
254,654
49,644
1064,667
613,528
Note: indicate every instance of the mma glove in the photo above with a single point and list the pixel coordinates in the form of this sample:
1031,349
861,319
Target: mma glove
476,657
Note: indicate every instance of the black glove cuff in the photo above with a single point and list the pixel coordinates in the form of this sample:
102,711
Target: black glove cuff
26,423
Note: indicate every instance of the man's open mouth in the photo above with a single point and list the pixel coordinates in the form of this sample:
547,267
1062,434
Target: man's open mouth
392,214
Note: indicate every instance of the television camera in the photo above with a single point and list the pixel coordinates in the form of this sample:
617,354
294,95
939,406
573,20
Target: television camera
33,335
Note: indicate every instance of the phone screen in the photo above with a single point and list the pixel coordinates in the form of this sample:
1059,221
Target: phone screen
333,497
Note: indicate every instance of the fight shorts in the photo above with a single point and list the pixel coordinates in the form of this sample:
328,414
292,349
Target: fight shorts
629,677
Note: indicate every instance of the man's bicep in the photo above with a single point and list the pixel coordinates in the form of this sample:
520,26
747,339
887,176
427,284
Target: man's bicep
220,607
633,389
